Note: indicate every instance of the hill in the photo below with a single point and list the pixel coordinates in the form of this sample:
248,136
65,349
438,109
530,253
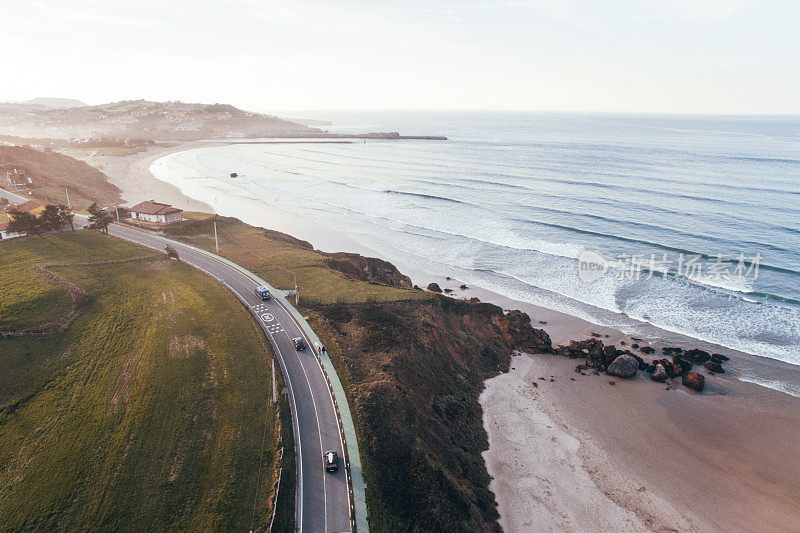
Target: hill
141,119
51,172
151,411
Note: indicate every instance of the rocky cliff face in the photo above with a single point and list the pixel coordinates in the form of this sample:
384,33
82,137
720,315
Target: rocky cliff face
416,369
370,269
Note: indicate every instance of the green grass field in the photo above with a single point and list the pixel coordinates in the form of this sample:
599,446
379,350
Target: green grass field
150,412
278,262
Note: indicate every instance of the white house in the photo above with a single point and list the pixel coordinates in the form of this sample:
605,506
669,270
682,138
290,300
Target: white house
156,212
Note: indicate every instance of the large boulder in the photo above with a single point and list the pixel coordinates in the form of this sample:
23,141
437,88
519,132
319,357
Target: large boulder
696,356
624,366
659,374
694,381
434,287
714,366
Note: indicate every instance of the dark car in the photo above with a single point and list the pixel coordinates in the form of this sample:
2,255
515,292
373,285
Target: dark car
331,461
299,344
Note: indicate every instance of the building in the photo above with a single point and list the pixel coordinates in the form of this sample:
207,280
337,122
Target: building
17,180
31,206
155,212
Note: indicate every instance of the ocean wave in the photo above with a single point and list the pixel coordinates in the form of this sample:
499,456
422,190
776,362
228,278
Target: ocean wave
428,196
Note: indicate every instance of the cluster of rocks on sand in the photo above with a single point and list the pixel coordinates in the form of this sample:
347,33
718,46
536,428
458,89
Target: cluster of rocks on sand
676,362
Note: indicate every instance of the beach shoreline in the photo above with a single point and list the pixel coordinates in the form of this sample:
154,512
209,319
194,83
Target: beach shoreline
573,452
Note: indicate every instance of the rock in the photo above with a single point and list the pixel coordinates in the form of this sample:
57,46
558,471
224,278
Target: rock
682,362
463,287
448,291
623,366
634,345
596,334
474,300
622,343
714,366
719,356
434,287
697,356
659,374
671,350
635,339
647,349
543,322
609,354
694,381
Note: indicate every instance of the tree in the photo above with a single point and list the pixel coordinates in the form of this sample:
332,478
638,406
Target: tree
50,219
171,252
99,218
23,222
67,216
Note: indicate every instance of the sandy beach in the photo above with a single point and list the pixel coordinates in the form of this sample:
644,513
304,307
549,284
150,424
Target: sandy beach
575,453
131,173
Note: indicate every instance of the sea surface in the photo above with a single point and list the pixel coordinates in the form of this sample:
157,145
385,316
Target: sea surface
688,223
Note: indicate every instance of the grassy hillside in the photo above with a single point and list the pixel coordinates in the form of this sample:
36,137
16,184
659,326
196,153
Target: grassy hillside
278,258
150,412
51,172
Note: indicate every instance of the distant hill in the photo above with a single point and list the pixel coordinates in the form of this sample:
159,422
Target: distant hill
55,103
139,119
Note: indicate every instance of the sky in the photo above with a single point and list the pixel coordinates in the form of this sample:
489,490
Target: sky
669,56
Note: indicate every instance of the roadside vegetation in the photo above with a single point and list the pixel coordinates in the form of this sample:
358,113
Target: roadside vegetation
151,411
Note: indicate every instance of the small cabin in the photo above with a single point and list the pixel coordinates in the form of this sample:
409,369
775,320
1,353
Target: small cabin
156,212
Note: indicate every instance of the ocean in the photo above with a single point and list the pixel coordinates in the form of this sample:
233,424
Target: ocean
688,223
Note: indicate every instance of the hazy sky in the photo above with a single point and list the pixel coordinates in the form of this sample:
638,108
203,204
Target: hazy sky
716,56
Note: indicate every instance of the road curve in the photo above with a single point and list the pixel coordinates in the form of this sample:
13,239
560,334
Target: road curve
322,502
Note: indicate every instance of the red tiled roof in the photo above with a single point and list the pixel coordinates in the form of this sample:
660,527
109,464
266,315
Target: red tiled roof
151,207
30,205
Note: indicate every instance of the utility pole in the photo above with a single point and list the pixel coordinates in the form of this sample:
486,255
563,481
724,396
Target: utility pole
68,202
117,210
274,384
296,292
216,242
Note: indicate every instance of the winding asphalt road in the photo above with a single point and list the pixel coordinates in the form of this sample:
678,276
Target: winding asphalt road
322,501
322,498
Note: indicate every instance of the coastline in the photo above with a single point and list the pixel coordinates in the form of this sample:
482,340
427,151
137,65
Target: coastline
585,446
133,175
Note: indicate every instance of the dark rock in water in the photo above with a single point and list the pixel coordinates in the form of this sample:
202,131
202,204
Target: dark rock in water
694,381
543,322
448,291
634,345
623,366
434,287
463,287
659,373
697,356
650,368
682,362
647,349
596,334
448,278
719,356
474,300
670,350
622,343
535,384
671,368
606,335
635,339
715,367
